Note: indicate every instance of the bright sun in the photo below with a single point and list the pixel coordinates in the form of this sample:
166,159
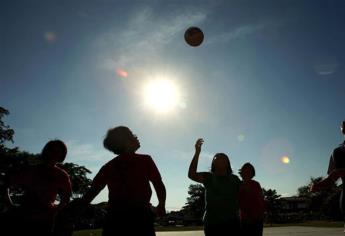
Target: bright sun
161,95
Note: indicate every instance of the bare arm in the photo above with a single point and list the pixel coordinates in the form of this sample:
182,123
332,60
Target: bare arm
161,195
192,172
8,203
65,194
92,193
329,181
98,183
331,165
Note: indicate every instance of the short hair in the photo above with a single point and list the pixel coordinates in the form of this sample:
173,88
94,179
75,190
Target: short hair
213,168
116,139
251,167
53,144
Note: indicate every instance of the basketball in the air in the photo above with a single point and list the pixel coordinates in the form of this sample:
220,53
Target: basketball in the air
194,36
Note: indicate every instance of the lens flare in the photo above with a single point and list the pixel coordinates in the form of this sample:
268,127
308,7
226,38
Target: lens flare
50,36
241,137
285,160
122,73
275,156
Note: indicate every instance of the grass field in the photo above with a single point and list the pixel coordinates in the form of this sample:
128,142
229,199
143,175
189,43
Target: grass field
325,224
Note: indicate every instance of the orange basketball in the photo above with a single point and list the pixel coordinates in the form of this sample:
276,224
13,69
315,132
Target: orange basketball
194,36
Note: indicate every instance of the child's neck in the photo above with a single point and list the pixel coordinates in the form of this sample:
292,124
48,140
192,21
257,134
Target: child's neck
247,180
128,152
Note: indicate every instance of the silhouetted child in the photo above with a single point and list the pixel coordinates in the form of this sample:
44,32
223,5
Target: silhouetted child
251,203
128,178
221,194
336,170
41,184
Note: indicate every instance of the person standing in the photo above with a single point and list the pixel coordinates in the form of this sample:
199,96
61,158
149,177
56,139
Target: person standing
221,216
336,170
41,184
128,178
252,203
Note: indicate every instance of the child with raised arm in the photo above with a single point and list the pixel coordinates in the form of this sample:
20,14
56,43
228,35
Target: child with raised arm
251,203
128,178
221,194
336,170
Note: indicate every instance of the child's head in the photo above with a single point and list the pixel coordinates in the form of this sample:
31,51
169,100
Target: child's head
121,140
54,151
247,171
221,164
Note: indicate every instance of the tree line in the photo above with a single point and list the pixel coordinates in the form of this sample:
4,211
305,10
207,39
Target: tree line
316,206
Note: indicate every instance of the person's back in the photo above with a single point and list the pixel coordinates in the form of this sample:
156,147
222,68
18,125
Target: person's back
251,203
221,201
336,170
338,157
221,194
128,178
41,184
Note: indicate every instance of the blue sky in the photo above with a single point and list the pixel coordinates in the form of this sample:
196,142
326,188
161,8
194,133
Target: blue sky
267,82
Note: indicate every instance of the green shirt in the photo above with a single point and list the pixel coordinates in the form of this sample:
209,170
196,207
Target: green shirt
221,198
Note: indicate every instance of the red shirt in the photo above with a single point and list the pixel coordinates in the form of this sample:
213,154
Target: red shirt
128,179
42,184
251,201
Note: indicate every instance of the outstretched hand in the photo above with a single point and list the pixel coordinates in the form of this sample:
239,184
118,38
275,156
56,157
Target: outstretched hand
198,144
329,181
322,185
67,216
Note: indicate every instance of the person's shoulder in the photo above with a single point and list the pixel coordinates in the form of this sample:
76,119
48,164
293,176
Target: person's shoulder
207,174
111,162
255,183
235,177
61,172
339,149
143,157
207,177
108,165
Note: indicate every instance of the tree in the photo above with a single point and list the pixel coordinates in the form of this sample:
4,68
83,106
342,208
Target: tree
272,200
6,133
195,202
79,179
13,160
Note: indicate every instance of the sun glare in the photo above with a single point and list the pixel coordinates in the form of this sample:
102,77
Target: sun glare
285,160
161,95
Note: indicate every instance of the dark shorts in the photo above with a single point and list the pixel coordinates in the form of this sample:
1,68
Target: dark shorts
129,221
37,228
229,228
253,228
20,225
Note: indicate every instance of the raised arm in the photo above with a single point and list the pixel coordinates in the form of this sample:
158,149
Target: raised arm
192,172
